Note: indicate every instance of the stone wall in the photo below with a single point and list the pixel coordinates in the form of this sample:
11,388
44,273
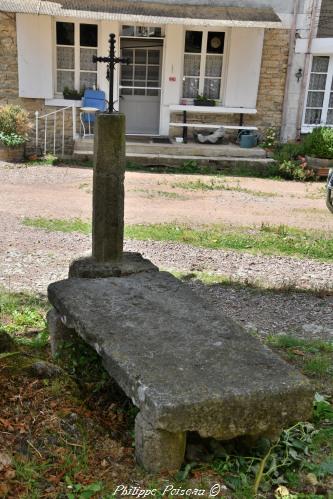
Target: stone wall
9,92
271,88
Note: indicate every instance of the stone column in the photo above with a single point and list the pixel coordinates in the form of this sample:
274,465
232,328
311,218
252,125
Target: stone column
108,259
157,450
108,188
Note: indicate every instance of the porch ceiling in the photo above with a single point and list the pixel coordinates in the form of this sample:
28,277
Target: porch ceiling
189,12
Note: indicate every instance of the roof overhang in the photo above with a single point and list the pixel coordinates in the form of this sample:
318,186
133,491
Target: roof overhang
188,13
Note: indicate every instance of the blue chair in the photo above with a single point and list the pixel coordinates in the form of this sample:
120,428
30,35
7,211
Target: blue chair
93,101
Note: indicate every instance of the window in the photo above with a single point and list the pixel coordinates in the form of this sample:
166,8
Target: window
319,103
142,75
203,62
75,46
142,31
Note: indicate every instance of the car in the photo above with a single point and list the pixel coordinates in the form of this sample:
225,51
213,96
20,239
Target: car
329,191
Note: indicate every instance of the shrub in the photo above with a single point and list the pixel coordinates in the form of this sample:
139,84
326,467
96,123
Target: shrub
288,152
296,170
14,125
319,143
11,139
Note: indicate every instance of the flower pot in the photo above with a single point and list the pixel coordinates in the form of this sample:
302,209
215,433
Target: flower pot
319,165
11,154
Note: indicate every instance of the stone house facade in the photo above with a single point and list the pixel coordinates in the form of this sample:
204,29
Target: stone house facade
243,57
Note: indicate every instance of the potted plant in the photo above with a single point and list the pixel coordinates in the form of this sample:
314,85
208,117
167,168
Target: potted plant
72,94
14,128
203,100
318,149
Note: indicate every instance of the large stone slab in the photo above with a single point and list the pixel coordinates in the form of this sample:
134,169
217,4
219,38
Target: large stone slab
183,363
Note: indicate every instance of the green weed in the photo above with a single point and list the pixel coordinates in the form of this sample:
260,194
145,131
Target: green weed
218,185
267,239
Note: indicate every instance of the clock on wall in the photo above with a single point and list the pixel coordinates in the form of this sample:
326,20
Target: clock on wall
215,42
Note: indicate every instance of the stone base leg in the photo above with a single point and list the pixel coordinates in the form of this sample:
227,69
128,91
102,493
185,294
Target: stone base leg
59,333
158,450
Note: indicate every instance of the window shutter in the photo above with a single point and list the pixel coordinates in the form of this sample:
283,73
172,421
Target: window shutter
34,47
244,65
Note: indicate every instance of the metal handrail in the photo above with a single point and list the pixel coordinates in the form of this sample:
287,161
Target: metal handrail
45,117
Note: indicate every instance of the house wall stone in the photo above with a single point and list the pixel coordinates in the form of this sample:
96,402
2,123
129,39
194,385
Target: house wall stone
269,102
9,90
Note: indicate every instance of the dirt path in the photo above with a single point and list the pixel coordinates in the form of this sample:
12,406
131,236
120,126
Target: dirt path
62,192
30,259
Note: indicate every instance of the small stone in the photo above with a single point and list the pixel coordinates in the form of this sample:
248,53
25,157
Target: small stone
10,474
311,479
5,460
43,369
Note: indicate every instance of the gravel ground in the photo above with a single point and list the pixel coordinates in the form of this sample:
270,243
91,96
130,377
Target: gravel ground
30,259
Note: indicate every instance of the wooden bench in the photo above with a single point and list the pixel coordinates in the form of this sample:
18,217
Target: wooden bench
210,110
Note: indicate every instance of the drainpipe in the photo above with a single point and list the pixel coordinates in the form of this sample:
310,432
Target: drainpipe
292,43
316,5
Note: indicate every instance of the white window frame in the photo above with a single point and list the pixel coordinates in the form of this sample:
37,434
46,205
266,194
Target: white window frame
306,128
144,88
77,48
203,58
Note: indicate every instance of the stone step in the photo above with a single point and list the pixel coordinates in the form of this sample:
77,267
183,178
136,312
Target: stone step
85,146
186,366
164,160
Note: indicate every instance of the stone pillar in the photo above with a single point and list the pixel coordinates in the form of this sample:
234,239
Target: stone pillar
158,450
108,187
108,259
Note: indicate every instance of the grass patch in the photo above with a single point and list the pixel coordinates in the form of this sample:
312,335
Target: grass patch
212,278
218,185
58,225
279,240
47,160
23,317
267,239
191,167
151,194
313,357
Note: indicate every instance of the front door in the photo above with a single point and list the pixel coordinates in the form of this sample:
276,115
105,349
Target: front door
140,86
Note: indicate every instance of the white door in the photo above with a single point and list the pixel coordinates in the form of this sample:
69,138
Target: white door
140,87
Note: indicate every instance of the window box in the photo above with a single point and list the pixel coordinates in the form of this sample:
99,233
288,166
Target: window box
204,102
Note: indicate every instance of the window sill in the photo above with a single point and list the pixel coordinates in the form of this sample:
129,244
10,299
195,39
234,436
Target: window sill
309,128
63,102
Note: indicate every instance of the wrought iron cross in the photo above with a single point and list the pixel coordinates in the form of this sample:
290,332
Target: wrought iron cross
112,60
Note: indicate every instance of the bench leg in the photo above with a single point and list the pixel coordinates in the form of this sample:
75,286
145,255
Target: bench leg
59,333
158,450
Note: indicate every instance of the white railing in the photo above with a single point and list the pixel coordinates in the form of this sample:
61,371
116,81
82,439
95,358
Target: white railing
51,120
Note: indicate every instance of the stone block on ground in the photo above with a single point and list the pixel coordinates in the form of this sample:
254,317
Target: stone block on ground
185,365
130,263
